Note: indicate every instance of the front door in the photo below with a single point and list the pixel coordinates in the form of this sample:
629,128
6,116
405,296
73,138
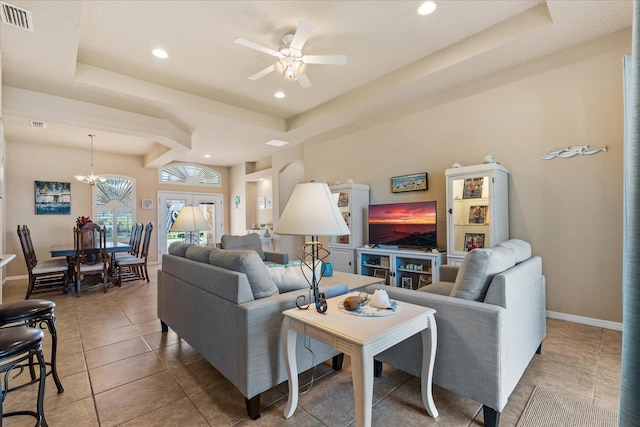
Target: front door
170,203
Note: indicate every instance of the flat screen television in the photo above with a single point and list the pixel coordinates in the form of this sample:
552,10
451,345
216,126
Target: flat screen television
403,225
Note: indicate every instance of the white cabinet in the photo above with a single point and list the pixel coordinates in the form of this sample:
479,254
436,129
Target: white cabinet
353,202
405,268
477,208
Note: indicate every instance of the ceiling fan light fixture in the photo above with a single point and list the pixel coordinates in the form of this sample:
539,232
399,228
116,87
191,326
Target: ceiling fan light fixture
301,67
290,73
280,67
290,60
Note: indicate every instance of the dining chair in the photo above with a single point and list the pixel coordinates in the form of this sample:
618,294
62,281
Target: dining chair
44,276
133,273
91,254
135,246
136,266
134,241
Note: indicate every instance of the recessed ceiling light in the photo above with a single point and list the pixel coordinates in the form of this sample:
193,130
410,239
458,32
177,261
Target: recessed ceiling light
427,8
279,95
277,142
206,156
160,53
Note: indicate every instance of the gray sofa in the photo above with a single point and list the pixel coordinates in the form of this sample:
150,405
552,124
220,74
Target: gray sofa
491,320
225,304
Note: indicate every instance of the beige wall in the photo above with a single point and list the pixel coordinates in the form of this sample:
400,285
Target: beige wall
569,209
26,163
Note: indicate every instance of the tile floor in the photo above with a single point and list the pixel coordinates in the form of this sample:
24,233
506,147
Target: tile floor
118,369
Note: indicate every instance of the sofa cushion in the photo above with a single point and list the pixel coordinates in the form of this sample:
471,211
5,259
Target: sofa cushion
250,241
249,263
199,253
520,248
477,270
292,276
179,248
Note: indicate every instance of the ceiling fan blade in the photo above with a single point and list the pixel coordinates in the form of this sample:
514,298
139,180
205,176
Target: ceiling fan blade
303,80
325,59
301,35
262,73
256,46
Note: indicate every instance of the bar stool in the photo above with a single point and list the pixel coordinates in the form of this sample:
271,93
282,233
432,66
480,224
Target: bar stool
19,345
34,313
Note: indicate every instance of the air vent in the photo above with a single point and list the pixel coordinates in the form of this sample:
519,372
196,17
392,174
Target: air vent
35,124
16,16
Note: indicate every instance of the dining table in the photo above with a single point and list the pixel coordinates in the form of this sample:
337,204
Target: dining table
69,251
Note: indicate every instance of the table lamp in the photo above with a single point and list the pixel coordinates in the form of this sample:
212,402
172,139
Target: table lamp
191,221
312,211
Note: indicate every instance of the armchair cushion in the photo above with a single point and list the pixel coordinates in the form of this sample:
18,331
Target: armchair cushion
249,263
440,288
250,241
521,249
477,270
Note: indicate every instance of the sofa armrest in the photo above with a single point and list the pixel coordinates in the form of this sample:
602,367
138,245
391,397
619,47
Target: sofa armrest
277,257
448,273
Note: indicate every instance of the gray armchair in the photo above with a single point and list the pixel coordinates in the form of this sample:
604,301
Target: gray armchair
486,335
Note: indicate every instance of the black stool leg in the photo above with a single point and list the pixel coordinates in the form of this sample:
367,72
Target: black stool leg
54,350
50,321
43,379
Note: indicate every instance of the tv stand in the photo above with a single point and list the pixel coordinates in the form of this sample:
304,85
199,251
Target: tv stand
404,268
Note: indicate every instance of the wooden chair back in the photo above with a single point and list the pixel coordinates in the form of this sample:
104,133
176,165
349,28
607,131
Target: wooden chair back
135,244
29,255
144,252
90,244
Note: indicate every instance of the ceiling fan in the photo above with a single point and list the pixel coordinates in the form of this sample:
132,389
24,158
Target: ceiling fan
291,62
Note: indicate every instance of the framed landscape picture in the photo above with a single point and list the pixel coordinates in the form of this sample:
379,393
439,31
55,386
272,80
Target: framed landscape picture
473,241
406,282
413,182
478,214
472,188
52,198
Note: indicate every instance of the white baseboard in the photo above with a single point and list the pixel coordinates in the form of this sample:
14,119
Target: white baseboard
8,278
606,324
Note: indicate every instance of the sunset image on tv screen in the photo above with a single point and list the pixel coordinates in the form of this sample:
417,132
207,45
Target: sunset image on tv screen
411,224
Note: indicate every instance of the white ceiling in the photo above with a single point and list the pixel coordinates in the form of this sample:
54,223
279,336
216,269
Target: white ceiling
99,52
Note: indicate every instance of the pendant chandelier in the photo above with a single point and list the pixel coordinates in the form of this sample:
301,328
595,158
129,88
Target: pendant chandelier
92,178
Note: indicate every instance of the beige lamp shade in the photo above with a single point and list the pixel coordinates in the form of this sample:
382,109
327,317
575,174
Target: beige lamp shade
312,211
190,218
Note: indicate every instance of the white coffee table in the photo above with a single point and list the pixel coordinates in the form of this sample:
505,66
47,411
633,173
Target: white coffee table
361,338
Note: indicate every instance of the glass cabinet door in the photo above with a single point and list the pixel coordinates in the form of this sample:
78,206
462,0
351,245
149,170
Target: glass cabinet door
470,212
344,206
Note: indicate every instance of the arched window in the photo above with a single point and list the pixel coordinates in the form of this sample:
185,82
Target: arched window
186,173
114,206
